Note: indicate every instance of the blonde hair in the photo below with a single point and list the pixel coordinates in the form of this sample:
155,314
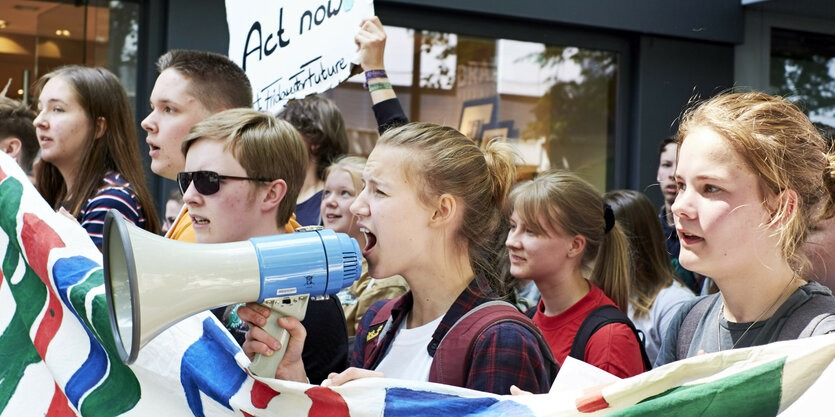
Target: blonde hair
265,147
651,267
784,150
351,164
566,202
447,162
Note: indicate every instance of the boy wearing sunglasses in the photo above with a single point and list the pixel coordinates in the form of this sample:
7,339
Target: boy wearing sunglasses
243,171
192,85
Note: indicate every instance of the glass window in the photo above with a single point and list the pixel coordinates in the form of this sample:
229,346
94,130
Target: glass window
39,36
556,104
803,70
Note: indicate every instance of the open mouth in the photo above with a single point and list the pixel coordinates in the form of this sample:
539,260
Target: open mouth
370,241
332,217
688,238
196,220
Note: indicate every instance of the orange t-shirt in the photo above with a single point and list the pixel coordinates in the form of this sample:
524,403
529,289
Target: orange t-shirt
183,230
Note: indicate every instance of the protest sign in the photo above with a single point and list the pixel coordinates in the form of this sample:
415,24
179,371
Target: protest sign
290,49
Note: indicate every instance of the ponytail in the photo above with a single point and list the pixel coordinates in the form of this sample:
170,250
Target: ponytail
611,267
501,167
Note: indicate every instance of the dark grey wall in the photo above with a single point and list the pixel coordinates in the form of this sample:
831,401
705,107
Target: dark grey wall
198,24
712,20
669,72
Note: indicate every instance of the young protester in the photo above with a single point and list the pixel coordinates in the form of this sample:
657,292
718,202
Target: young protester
753,175
563,238
192,86
323,129
17,133
431,202
343,182
656,292
667,183
89,153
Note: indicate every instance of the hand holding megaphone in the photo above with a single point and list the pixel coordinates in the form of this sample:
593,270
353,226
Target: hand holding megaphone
152,283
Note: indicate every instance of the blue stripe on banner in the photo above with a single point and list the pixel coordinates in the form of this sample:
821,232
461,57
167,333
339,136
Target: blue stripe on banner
209,366
406,403
68,272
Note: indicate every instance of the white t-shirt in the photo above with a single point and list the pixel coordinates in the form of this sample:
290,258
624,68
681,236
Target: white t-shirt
407,357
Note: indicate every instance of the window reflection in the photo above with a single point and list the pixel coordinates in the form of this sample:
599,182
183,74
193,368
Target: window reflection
554,103
40,36
803,70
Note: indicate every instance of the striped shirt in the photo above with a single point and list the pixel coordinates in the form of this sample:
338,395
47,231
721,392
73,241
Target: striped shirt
115,193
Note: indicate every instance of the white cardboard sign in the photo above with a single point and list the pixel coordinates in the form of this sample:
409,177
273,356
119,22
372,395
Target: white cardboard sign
293,48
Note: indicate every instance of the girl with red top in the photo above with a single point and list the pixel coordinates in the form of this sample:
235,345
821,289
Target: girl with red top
564,240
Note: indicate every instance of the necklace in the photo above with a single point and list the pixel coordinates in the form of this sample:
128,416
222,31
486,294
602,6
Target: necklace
722,310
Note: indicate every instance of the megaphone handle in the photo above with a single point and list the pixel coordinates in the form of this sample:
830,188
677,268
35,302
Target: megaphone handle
296,306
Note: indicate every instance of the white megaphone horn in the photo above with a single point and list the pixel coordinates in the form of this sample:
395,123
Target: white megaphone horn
152,282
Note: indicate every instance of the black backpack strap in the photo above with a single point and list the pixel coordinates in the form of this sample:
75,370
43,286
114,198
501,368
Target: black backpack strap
599,317
531,312
688,327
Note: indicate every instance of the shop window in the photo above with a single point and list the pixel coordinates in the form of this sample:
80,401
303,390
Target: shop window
39,36
555,103
803,70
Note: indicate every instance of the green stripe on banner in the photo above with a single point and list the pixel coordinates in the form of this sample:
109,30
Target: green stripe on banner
16,348
120,390
754,392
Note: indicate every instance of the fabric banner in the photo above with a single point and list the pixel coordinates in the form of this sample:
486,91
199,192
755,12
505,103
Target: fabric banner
58,357
291,48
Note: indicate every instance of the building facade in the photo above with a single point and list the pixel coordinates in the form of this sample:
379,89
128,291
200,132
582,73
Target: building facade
591,86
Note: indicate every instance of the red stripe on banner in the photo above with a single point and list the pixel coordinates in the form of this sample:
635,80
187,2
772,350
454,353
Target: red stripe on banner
60,405
327,402
261,394
38,240
592,400
49,324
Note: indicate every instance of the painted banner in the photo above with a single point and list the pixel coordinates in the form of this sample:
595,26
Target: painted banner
58,357
291,48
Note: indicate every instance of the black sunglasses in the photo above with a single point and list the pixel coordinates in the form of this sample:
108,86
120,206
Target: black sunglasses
207,182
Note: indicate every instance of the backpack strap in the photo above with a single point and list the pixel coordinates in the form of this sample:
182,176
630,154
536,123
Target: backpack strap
373,349
688,327
451,363
596,320
815,309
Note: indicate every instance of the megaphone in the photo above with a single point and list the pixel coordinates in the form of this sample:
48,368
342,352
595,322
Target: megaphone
152,282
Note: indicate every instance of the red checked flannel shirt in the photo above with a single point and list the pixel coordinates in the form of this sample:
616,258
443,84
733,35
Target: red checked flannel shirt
505,354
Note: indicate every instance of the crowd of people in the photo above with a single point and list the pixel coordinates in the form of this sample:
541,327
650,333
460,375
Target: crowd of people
739,255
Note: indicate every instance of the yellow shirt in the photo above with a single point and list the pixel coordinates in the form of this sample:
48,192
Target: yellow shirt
183,230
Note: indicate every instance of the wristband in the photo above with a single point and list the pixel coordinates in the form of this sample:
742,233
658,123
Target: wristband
379,86
372,74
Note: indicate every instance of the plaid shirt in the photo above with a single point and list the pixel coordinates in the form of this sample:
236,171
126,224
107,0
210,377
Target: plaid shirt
505,354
